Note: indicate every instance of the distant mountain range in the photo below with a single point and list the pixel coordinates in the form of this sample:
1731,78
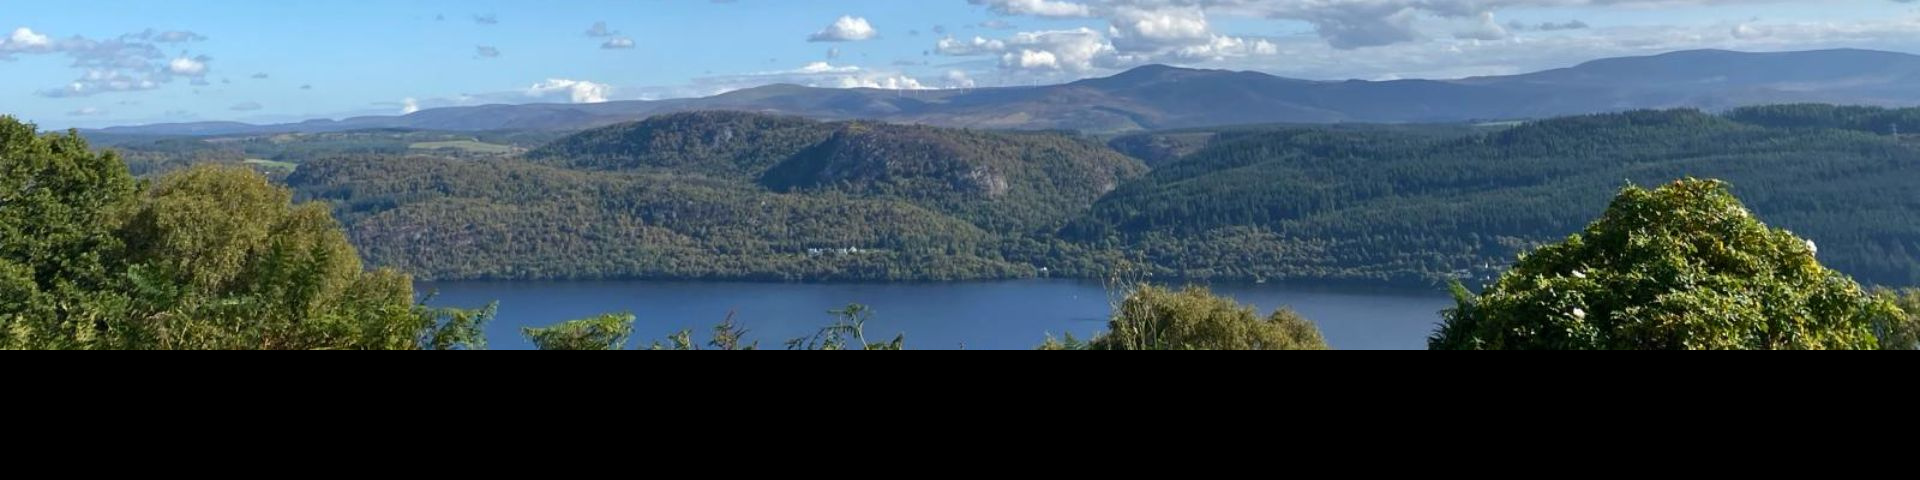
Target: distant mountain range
1161,97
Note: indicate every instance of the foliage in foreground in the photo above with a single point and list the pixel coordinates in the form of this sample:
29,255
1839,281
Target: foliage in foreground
606,332
1901,332
209,257
1155,318
1685,266
612,332
1150,318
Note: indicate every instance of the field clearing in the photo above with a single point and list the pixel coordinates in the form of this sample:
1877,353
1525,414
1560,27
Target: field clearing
465,145
272,164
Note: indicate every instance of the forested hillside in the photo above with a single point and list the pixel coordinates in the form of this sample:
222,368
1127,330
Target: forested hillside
279,154
727,196
1004,181
450,219
745,196
1363,206
1879,120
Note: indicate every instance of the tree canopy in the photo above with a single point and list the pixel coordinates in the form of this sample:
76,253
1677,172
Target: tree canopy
737,196
1685,266
603,333
210,257
1156,318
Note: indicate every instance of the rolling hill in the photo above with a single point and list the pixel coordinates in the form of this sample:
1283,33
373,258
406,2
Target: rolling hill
731,196
1379,206
714,195
1160,97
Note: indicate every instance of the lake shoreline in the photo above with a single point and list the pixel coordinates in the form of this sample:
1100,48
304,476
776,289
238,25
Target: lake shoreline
994,315
1333,285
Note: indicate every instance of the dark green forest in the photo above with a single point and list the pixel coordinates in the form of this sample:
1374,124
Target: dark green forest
1314,204
721,195
730,196
1885,121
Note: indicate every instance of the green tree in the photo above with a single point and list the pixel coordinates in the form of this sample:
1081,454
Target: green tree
1154,318
454,328
727,337
730,336
58,203
222,259
1067,343
612,332
848,332
1901,331
1685,266
603,333
205,258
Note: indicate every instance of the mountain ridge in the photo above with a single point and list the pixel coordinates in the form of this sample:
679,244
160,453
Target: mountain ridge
1157,97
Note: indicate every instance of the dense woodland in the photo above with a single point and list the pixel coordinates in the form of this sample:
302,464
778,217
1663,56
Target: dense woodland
1884,121
731,196
1371,206
741,196
502,219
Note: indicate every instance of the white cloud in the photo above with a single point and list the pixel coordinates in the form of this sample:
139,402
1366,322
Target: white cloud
823,74
1383,38
812,74
172,36
128,63
1344,24
883,82
177,37
1485,29
191,67
409,106
960,79
1031,60
846,29
977,46
1443,58
618,43
25,39
1223,48
1039,8
1146,30
816,68
104,81
574,91
1076,50
1138,32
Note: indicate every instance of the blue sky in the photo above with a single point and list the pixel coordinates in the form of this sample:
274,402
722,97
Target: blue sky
105,62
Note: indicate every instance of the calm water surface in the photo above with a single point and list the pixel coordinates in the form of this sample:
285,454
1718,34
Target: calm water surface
978,316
